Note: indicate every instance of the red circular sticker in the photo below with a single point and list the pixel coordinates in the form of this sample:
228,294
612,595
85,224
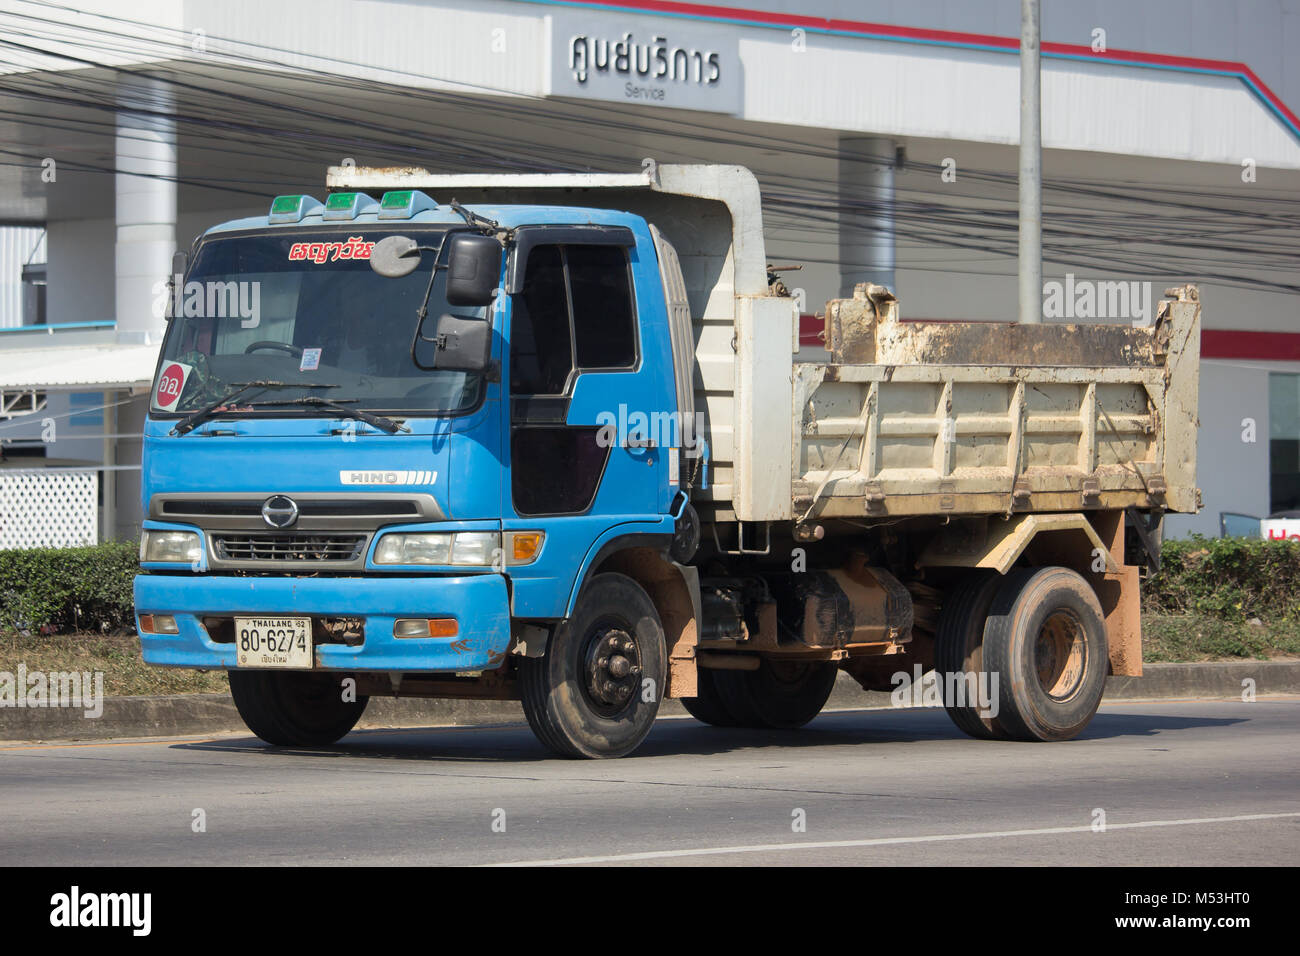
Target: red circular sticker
170,383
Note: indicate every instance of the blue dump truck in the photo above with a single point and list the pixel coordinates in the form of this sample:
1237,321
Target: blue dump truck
553,438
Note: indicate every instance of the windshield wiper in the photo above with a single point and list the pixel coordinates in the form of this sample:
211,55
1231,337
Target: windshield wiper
194,419
312,401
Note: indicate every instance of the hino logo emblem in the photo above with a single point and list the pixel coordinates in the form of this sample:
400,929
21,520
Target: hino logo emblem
279,511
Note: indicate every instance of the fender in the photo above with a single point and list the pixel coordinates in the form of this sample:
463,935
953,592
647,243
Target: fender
999,546
674,588
1094,548
639,534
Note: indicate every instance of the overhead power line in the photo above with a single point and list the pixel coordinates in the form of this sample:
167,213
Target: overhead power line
1244,237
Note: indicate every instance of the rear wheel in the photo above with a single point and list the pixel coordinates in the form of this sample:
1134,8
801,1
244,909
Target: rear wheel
596,690
294,709
959,655
779,694
1045,638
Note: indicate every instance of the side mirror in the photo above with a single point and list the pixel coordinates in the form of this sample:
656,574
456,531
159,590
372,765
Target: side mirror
395,256
473,270
463,344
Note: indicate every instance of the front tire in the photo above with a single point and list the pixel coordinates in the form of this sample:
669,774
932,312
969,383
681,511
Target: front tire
294,709
1045,638
596,690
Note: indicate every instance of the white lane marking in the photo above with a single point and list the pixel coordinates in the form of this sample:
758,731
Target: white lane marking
883,841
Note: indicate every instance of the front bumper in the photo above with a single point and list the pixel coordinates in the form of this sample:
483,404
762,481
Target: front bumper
479,602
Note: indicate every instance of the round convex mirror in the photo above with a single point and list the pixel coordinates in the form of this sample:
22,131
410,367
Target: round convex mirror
395,256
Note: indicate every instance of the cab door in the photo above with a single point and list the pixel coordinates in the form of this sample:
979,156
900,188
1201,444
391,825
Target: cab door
584,384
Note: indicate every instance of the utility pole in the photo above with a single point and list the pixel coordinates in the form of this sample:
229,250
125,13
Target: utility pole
867,238
1031,166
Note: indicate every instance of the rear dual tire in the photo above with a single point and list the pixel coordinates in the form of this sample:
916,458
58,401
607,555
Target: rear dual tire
779,695
707,706
1041,633
959,651
1046,636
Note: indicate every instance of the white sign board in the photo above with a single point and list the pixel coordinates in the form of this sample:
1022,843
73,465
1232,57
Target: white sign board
1276,529
645,61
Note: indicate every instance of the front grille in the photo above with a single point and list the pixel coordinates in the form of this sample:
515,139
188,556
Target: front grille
388,507
289,547
318,513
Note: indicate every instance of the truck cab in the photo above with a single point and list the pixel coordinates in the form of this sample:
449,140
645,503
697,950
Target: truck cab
405,473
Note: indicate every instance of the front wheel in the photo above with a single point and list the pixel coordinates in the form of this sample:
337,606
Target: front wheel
1045,640
596,690
295,709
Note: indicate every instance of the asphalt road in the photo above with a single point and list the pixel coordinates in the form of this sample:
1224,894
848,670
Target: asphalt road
1187,783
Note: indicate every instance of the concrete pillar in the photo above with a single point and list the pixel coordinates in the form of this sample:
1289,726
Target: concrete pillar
146,205
866,176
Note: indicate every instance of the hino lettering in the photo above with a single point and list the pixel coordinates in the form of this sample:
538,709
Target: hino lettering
388,477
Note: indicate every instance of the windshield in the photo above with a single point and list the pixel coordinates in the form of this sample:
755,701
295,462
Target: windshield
305,309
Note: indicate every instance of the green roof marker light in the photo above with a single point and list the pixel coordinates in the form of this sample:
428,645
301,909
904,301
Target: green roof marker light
292,208
347,206
404,203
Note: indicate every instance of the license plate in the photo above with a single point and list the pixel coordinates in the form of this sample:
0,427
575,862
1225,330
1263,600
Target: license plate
273,642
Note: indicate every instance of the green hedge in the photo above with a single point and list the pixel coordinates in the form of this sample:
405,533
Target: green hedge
1231,579
89,589
68,589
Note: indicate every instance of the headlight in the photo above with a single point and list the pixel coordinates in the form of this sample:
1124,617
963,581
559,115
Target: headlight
476,548
465,548
172,546
414,549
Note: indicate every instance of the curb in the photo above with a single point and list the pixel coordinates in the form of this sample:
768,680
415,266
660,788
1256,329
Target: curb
196,714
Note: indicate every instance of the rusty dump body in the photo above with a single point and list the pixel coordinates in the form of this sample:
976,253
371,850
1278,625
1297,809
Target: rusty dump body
950,448
996,418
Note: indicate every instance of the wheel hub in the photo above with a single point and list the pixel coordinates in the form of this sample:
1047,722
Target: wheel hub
613,668
1060,654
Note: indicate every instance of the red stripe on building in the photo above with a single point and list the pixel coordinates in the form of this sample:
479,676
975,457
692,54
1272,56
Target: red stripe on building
810,329
1234,344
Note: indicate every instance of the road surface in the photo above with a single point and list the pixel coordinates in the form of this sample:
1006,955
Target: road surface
1184,783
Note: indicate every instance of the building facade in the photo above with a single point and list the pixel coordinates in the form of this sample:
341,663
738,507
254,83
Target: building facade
884,137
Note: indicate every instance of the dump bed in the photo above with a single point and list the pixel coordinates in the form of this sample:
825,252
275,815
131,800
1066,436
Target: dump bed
953,418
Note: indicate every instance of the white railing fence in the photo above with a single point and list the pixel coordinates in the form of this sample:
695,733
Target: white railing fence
49,507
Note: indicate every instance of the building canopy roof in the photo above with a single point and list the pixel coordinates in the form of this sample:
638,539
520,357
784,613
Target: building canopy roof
78,366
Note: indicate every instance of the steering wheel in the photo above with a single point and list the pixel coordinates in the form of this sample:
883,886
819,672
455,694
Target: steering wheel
277,346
